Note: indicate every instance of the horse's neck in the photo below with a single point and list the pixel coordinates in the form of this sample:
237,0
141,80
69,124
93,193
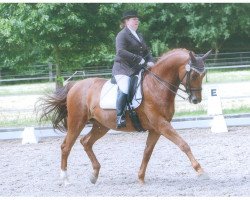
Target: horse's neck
168,67
164,84
160,93
167,74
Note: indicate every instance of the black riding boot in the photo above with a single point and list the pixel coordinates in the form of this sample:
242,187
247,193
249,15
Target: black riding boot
121,103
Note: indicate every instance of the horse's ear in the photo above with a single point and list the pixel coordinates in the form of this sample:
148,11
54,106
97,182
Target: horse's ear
193,59
206,55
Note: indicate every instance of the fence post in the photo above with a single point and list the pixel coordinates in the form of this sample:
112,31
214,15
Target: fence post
50,72
207,76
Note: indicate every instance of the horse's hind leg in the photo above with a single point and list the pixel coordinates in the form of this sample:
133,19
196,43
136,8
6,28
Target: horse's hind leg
74,129
97,131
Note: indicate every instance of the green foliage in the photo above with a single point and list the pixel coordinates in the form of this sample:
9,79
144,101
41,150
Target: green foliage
158,47
59,80
74,36
210,23
61,33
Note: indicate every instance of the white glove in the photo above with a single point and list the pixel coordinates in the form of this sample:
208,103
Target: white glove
142,62
150,64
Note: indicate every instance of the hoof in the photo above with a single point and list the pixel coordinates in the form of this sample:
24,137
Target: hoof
203,176
66,182
142,182
93,178
64,178
200,171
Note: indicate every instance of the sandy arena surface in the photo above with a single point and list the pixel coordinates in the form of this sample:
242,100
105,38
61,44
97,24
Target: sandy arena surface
33,169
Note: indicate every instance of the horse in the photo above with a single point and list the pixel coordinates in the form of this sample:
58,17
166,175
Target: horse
69,108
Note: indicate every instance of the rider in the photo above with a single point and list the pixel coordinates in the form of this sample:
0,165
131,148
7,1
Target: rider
132,54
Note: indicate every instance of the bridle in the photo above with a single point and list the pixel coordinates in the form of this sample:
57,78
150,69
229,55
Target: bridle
189,68
188,89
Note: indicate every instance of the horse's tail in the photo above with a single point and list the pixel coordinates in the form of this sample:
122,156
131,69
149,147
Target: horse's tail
53,107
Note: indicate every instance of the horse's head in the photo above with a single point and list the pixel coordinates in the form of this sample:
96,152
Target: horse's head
192,76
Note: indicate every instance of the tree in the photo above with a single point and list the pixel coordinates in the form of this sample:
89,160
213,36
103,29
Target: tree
211,24
72,36
165,26
61,32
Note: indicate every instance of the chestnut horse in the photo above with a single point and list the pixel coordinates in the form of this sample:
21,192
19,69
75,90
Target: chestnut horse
78,103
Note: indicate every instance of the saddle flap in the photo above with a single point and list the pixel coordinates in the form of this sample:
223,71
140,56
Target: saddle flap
109,93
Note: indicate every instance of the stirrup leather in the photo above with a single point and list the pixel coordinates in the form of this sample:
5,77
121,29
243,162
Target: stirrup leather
121,121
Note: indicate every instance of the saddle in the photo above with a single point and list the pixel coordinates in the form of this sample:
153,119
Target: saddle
109,95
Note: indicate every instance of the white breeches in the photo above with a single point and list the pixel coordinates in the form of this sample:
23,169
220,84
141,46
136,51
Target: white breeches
123,83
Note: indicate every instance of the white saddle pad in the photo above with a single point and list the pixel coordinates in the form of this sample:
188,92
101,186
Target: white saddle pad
109,95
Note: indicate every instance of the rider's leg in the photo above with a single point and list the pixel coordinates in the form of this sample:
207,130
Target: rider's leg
121,102
120,109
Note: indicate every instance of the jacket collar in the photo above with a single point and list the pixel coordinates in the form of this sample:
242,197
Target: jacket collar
131,35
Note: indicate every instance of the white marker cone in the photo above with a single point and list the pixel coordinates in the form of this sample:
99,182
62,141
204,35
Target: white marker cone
29,136
218,124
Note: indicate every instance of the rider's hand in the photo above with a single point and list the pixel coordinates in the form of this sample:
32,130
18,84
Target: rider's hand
142,62
150,64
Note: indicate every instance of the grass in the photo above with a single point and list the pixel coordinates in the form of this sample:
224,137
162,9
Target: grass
26,89
19,122
225,76
241,110
21,119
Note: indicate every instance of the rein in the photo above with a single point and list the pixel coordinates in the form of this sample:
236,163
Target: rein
167,84
187,90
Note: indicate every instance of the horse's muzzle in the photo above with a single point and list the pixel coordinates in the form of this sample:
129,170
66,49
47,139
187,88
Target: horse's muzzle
194,99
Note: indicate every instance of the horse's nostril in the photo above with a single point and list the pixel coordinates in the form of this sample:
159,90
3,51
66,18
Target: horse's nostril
195,101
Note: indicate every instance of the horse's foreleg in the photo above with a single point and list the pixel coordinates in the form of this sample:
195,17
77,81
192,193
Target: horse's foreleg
87,141
168,131
150,144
